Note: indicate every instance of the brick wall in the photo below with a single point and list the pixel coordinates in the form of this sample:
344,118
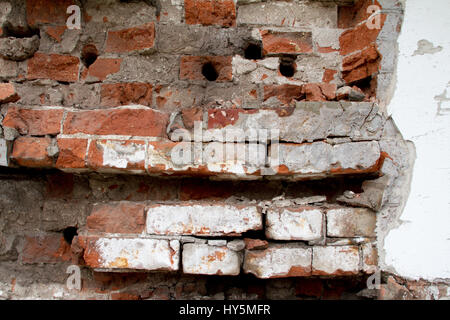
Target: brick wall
241,139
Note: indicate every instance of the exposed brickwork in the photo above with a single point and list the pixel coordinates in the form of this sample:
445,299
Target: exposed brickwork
165,144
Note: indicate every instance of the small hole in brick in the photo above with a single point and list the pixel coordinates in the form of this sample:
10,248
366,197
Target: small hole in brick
89,54
287,68
253,52
69,233
210,72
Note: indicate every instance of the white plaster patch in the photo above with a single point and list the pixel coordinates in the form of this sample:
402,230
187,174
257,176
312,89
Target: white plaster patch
210,260
119,154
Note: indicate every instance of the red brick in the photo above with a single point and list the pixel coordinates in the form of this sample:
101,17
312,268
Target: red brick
133,122
124,217
102,68
127,40
191,67
328,75
255,244
34,122
56,32
286,93
53,66
124,296
286,42
361,65
8,93
48,248
210,12
320,91
48,11
32,152
359,38
126,157
350,16
119,94
72,153
190,116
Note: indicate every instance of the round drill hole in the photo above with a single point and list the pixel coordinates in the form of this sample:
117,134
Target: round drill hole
209,72
89,54
253,52
287,69
69,233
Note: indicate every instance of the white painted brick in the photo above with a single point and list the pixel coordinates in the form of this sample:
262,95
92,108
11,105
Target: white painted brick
127,253
303,223
320,158
351,222
335,260
210,260
278,261
202,219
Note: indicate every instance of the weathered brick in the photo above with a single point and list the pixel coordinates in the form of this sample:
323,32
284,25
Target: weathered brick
210,260
335,260
56,32
107,155
32,152
361,65
285,93
47,11
53,66
320,91
191,67
131,253
279,261
302,223
45,248
369,254
351,222
132,39
308,121
242,160
8,69
210,12
119,121
72,153
286,42
321,159
255,244
202,219
120,94
102,68
122,217
359,38
37,122
8,93
350,16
